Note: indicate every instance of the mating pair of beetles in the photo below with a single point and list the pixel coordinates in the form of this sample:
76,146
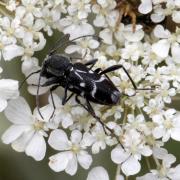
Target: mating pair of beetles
80,79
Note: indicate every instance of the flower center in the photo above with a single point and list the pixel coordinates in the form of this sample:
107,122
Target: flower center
10,31
38,125
75,148
1,45
168,124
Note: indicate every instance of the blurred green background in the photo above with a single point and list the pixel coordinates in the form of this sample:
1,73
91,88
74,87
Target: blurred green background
17,166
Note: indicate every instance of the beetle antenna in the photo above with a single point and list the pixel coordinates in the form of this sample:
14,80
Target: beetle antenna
37,95
66,42
22,83
65,38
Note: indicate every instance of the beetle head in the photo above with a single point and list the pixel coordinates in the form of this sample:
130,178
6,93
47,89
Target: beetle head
55,65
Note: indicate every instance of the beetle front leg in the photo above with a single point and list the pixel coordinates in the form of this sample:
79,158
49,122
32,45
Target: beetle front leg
91,62
54,107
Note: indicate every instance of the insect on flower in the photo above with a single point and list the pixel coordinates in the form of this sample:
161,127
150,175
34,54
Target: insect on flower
81,79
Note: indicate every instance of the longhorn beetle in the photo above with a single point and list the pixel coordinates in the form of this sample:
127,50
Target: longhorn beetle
93,85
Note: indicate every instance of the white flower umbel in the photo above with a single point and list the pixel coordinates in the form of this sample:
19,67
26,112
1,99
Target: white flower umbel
73,151
28,130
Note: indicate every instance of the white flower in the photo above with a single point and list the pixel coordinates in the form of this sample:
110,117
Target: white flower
167,42
99,139
72,152
165,171
167,125
166,92
130,156
8,90
145,7
154,108
83,46
8,48
98,173
28,130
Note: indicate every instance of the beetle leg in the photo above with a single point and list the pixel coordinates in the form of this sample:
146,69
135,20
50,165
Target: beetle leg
118,66
54,107
91,62
89,109
67,99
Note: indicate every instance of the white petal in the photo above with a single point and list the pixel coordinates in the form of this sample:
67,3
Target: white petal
67,121
79,30
58,140
72,48
13,132
85,160
12,51
159,153
156,18
76,136
160,32
3,104
8,89
118,155
33,90
58,162
72,166
145,7
93,44
28,39
175,134
131,166
133,36
18,112
146,151
161,48
99,21
106,35
36,147
175,51
21,143
98,173
176,16
174,173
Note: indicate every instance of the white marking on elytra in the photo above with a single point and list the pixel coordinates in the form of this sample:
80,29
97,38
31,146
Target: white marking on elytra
78,75
80,71
93,92
82,84
71,69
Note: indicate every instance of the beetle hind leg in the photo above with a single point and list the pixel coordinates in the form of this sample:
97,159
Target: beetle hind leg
89,109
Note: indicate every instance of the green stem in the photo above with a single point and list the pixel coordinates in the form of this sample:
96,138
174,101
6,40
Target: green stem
156,161
2,3
4,12
118,170
148,163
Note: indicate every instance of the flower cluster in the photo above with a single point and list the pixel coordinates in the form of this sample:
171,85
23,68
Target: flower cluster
138,126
